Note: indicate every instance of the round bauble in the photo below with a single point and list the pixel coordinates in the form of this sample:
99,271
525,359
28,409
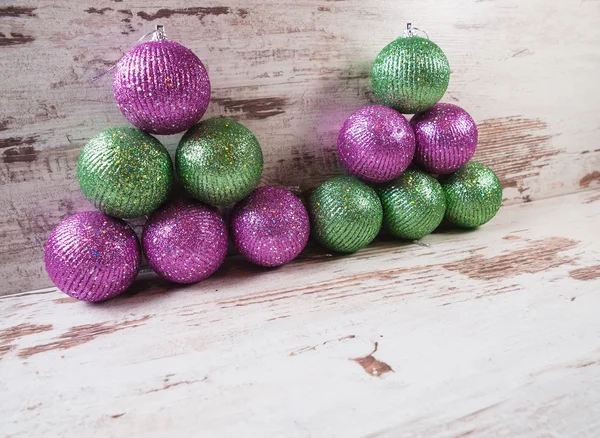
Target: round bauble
161,87
345,214
270,227
446,137
413,205
219,161
91,256
185,241
125,172
376,144
410,74
473,195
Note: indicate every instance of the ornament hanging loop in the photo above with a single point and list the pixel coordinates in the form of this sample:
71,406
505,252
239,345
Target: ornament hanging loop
158,34
410,31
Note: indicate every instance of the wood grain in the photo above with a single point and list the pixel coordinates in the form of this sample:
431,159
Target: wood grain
292,72
394,340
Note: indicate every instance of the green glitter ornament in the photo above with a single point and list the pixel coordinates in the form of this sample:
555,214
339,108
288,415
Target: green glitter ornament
125,172
473,195
219,161
413,205
410,74
345,214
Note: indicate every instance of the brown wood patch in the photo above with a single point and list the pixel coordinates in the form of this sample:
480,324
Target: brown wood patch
537,256
24,154
82,334
371,365
515,148
15,39
97,11
10,334
252,108
199,12
5,349
590,178
587,273
17,11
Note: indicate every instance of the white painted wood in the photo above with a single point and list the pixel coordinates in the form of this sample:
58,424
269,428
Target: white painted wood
292,72
489,333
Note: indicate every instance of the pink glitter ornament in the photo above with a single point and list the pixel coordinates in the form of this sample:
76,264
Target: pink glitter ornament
161,87
376,144
446,138
270,227
91,256
185,241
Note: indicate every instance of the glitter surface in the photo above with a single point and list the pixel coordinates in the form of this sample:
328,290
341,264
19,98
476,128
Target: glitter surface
161,87
345,214
410,74
219,161
446,137
413,205
91,256
376,144
473,195
125,172
270,227
185,241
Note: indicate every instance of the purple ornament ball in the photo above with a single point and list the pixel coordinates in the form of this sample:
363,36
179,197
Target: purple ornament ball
91,256
376,144
270,227
161,87
185,241
446,137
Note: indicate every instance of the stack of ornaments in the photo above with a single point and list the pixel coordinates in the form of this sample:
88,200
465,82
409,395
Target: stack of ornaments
406,176
162,87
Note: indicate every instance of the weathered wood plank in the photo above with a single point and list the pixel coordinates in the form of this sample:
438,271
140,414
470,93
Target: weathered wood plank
292,72
486,333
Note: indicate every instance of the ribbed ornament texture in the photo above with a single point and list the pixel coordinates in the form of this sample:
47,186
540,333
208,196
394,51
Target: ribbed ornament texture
411,74
185,241
91,256
446,137
473,195
413,205
219,161
161,87
376,144
125,172
345,214
270,227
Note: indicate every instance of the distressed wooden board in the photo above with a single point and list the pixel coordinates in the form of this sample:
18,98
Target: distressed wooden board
487,333
292,71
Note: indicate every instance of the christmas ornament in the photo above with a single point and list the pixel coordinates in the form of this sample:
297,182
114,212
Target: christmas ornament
219,161
376,144
91,256
270,227
161,87
125,172
446,137
345,214
473,195
413,205
410,74
185,241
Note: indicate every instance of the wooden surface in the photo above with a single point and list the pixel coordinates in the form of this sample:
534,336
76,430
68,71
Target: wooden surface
486,333
292,71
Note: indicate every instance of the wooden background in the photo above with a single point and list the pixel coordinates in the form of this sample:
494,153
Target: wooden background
292,71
